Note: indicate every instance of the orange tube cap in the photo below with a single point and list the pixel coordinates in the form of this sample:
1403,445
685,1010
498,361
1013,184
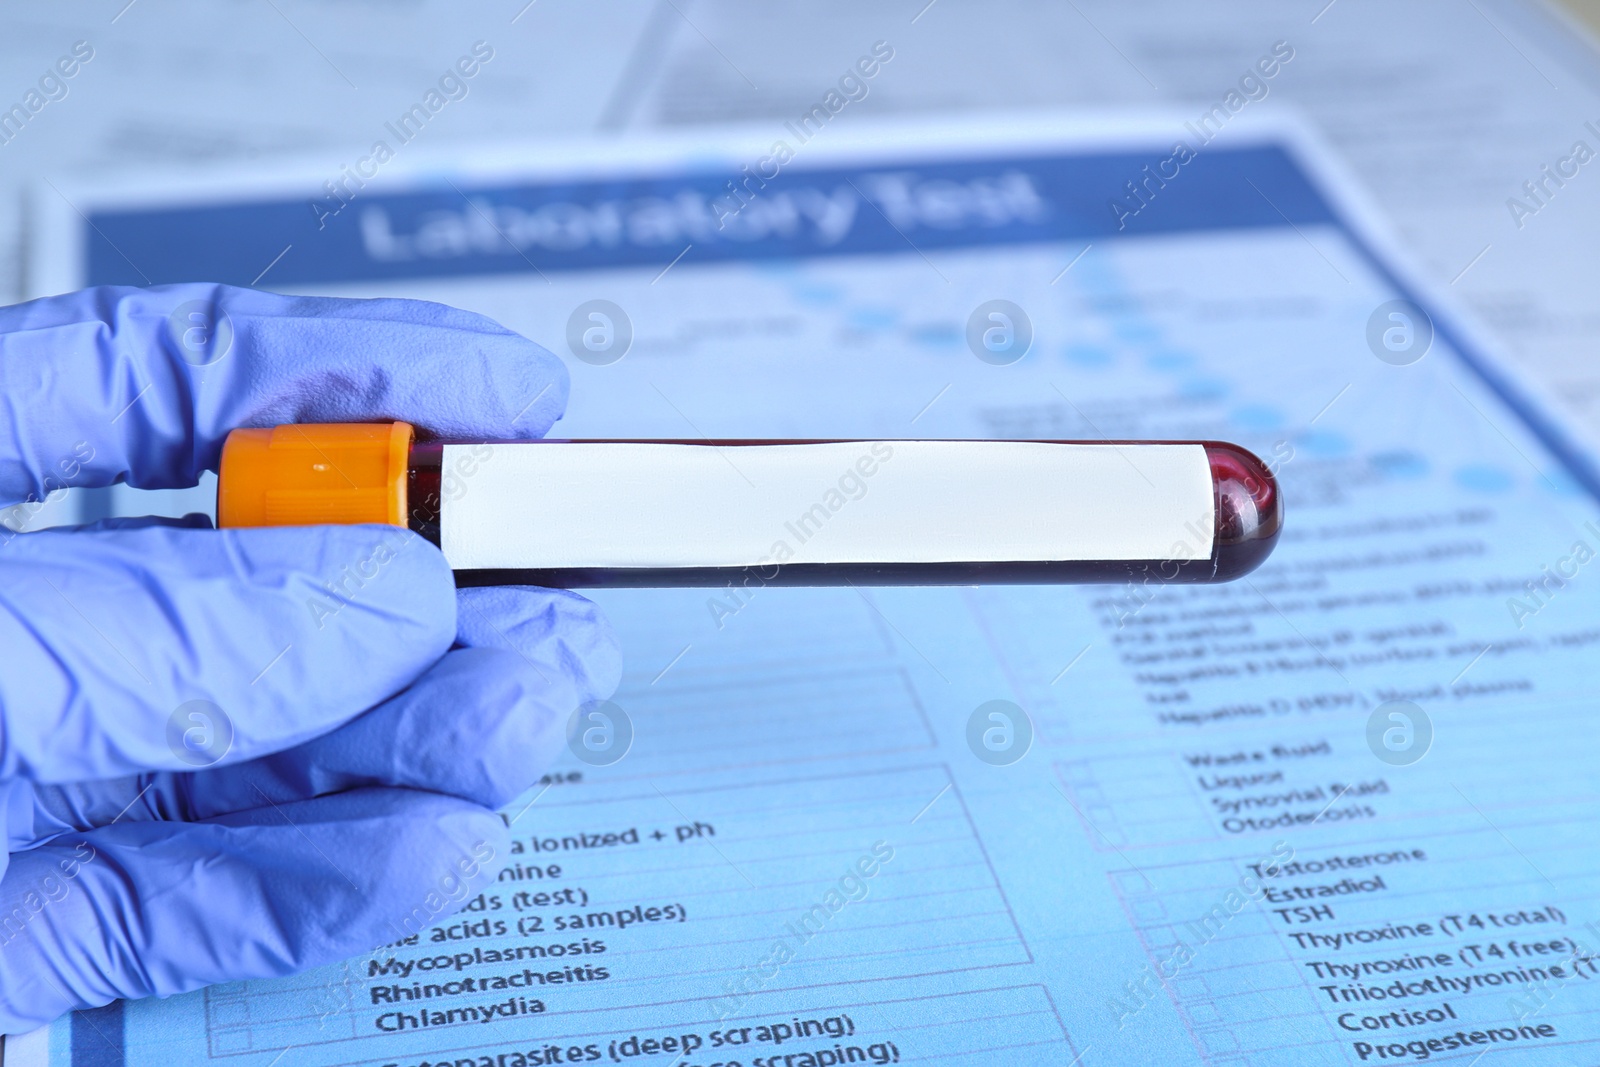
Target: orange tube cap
314,474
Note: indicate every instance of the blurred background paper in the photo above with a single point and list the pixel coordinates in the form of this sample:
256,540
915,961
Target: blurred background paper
1168,744
1443,108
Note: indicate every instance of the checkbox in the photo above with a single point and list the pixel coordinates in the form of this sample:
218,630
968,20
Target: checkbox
231,1041
1132,883
1148,909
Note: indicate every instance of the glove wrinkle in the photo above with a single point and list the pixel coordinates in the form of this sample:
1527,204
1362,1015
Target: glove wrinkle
71,364
373,728
166,908
110,634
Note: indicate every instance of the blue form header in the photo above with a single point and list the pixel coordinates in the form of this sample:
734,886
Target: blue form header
523,227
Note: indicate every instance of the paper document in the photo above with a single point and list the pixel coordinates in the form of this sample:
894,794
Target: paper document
1504,90
1336,812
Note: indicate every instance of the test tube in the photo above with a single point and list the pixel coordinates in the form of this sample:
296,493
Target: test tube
659,513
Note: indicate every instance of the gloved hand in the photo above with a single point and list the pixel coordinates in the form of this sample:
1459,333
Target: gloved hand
359,755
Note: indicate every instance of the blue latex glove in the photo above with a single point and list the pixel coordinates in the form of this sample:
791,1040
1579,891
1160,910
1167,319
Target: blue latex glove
369,748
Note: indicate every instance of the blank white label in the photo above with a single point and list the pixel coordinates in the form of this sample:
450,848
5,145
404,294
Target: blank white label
616,504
